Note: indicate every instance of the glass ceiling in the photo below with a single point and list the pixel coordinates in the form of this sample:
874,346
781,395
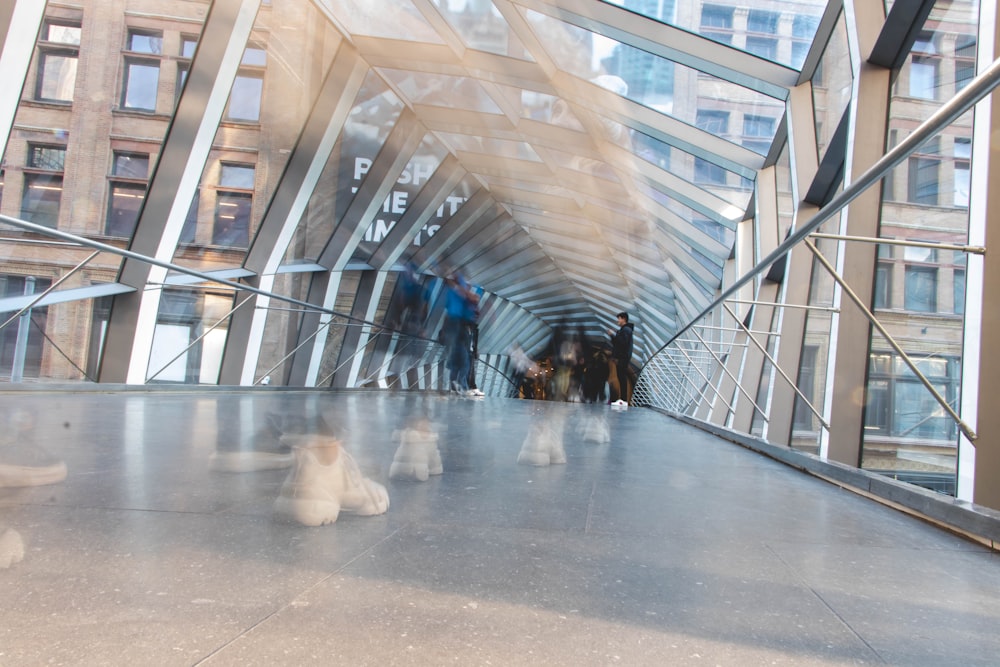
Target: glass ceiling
619,139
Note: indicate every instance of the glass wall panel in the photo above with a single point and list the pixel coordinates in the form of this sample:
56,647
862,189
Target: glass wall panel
452,204
371,119
420,168
777,30
920,290
190,336
280,329
279,77
722,183
657,83
814,358
56,342
832,86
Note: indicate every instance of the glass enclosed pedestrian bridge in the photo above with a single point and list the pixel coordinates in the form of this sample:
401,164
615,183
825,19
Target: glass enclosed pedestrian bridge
791,199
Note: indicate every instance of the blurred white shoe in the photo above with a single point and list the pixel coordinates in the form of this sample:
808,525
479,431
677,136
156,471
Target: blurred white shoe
325,482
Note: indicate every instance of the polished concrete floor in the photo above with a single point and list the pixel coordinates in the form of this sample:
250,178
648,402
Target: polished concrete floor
661,546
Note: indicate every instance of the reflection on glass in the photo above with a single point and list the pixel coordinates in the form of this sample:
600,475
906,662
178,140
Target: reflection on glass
264,115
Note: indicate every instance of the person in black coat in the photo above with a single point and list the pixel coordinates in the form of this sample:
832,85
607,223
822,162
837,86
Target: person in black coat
621,352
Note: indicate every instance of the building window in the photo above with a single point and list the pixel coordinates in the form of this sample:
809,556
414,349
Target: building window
190,228
923,178
758,132
58,53
708,172
803,30
958,283
762,31
717,23
921,289
804,418
898,404
924,63
248,88
127,192
188,45
883,285
234,201
963,161
714,121
15,286
142,72
43,179
965,62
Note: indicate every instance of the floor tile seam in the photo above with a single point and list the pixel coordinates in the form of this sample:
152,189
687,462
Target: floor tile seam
798,577
294,598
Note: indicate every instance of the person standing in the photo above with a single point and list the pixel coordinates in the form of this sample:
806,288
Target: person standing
461,308
621,352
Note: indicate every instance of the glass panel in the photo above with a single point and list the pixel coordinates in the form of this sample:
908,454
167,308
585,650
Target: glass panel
481,26
123,209
720,182
249,155
421,167
776,32
56,76
925,199
500,148
653,81
371,119
444,213
832,85
142,42
61,33
395,19
245,98
142,80
59,347
186,347
814,359
453,92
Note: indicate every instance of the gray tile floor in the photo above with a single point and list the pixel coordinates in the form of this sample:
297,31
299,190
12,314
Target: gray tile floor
664,546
